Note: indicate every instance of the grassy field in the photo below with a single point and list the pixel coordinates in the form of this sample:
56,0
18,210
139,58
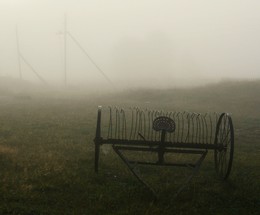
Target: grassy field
47,155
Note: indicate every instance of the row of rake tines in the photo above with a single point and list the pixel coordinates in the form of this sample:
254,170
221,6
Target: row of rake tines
136,124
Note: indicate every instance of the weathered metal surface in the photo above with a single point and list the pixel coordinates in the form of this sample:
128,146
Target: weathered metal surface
161,132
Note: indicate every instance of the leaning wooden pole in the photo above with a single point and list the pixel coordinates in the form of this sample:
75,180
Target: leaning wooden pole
65,49
18,53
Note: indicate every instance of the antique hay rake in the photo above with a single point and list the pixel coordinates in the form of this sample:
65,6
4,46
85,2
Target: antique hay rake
166,133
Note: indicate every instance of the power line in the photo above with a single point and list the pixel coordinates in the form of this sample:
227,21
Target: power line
34,71
88,56
18,53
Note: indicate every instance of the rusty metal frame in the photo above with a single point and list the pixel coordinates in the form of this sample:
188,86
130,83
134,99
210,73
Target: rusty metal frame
194,134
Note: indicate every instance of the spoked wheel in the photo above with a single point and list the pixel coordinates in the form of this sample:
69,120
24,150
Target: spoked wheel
224,142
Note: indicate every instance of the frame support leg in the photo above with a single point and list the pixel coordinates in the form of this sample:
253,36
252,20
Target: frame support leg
132,170
194,172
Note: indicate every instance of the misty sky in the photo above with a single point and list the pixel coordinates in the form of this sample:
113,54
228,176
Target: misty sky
150,43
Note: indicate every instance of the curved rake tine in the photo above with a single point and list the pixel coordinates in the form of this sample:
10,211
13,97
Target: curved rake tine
149,123
144,125
109,134
188,129
140,124
117,130
132,123
115,112
206,128
170,135
152,118
193,127
200,129
182,129
136,122
174,133
178,126
123,124
211,128
197,128
216,120
156,133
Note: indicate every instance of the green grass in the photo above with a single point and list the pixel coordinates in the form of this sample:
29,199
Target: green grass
47,154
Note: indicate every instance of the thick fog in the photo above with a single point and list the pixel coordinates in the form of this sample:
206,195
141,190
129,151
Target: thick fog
134,43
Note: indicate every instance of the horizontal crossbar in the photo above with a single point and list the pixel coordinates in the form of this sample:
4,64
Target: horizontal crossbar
157,143
146,149
163,164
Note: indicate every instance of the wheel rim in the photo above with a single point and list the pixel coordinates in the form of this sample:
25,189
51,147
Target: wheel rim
224,142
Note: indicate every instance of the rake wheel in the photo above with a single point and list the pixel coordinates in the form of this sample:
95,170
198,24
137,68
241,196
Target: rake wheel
224,142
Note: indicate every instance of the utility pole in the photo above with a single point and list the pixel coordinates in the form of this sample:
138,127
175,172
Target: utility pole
68,34
18,53
22,58
65,49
